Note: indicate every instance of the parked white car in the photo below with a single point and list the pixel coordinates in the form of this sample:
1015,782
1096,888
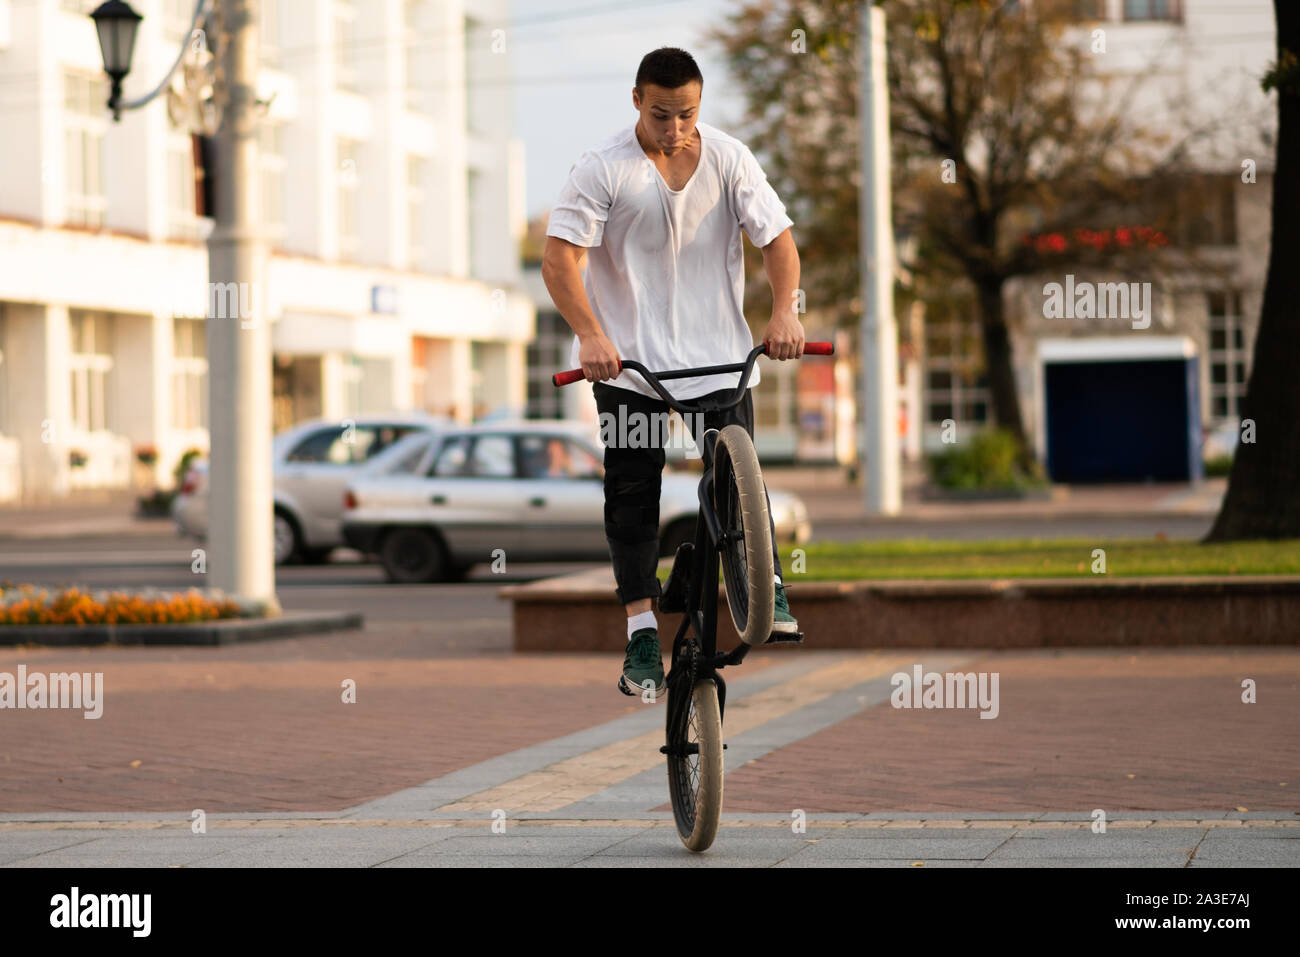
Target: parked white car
534,489
312,464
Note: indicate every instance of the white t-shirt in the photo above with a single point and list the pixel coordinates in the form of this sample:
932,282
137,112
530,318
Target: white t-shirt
665,274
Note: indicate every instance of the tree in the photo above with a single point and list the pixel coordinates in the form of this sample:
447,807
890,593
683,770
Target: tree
1263,499
998,137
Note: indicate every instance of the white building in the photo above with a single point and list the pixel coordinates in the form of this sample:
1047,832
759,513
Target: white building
1200,62
392,198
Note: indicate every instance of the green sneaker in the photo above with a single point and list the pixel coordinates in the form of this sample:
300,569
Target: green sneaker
644,662
782,620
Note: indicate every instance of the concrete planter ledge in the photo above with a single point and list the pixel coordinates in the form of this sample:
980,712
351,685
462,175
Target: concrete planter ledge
221,632
580,613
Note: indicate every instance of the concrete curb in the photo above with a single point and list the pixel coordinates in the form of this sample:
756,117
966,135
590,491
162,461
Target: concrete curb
580,613
226,632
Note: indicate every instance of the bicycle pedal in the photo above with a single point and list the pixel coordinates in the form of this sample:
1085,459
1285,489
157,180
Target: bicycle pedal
785,637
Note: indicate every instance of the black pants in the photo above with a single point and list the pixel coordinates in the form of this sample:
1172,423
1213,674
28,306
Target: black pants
633,478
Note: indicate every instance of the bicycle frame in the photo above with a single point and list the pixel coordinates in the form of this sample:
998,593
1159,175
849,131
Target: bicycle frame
701,584
701,612
692,590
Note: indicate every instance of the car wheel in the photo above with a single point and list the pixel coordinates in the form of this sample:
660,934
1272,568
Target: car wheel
286,538
412,555
458,573
681,530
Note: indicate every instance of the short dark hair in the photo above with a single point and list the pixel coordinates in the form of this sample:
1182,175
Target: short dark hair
668,67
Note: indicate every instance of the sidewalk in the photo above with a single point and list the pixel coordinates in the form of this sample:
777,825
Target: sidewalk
965,840
94,512
1122,730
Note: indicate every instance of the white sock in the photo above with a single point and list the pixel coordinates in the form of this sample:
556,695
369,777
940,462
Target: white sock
777,578
644,620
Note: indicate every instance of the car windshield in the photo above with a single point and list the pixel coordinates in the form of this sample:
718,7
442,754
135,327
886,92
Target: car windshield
347,443
403,456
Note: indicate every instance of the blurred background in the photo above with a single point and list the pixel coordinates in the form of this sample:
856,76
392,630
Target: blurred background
408,153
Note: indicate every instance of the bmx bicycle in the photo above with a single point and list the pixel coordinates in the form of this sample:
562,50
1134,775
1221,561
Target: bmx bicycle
732,531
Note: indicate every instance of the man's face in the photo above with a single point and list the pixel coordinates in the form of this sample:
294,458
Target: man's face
668,117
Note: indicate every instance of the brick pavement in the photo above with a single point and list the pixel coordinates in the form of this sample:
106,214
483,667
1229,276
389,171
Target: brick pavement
213,731
1153,730
261,728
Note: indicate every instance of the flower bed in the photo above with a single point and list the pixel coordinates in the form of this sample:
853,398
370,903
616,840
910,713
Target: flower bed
28,604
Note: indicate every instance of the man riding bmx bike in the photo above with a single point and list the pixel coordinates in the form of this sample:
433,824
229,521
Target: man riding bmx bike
658,210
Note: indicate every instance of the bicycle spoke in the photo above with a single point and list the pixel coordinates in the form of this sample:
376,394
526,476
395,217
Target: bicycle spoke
694,738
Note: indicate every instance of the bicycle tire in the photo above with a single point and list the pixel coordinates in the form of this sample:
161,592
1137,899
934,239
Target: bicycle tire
740,501
695,780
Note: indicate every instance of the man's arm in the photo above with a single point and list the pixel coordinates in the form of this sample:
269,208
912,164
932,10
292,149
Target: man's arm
784,334
560,272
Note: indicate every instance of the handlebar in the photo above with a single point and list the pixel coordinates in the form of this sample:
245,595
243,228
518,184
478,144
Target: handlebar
652,378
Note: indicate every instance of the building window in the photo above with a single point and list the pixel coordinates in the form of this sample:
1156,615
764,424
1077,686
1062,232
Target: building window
415,212
271,157
90,361
1208,211
345,46
473,182
182,222
1152,10
412,11
774,398
84,99
268,28
1228,357
476,52
350,376
4,378
189,374
547,354
349,201
955,384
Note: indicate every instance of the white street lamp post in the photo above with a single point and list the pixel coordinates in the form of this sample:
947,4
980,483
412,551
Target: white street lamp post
240,556
882,481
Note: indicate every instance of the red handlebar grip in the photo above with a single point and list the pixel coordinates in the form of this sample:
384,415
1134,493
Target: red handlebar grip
812,349
564,378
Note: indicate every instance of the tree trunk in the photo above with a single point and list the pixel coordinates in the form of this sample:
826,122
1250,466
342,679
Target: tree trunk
1000,366
1263,499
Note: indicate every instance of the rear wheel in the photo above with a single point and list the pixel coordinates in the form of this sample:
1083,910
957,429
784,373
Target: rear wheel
695,769
746,557
411,555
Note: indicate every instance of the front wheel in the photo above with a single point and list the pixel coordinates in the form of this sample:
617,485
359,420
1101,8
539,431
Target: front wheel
740,501
695,765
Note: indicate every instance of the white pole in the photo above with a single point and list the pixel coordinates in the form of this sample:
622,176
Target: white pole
882,484
240,555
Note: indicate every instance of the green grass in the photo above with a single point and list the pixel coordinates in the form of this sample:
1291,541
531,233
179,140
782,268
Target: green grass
1055,558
